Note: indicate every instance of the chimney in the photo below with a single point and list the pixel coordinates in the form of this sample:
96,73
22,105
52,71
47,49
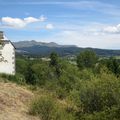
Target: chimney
1,35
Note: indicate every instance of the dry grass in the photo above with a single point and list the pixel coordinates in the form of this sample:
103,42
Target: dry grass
13,102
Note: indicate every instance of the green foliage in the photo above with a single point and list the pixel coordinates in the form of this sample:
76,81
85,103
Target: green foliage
21,65
18,78
42,72
54,59
55,62
44,107
30,76
108,114
114,66
89,91
95,96
47,109
86,59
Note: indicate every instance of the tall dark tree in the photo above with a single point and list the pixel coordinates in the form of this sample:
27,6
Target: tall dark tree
54,59
55,63
86,59
30,75
114,66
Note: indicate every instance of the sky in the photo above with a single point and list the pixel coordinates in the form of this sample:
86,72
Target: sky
85,23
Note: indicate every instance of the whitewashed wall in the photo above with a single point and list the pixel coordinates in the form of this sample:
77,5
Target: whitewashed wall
7,64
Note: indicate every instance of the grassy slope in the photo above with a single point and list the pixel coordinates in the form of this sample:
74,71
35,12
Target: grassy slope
14,102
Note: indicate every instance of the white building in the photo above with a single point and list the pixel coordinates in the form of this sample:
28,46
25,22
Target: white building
7,55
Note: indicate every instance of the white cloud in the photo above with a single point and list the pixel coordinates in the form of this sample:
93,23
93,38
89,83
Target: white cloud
91,35
97,35
91,28
49,26
20,23
81,39
30,20
13,22
112,29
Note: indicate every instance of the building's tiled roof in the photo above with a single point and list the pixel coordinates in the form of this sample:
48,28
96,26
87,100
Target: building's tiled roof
3,40
7,41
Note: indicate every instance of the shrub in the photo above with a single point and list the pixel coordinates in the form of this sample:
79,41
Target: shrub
108,114
18,78
42,72
43,107
87,59
97,94
47,109
61,93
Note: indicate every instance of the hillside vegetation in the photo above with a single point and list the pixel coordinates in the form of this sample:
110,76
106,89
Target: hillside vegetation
87,90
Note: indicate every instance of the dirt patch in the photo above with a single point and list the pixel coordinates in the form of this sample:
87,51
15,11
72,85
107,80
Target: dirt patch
14,102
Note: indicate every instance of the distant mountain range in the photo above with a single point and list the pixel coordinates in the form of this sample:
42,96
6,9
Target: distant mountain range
31,43
44,49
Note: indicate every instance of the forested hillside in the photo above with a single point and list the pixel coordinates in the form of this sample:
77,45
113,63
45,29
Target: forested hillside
87,90
44,49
